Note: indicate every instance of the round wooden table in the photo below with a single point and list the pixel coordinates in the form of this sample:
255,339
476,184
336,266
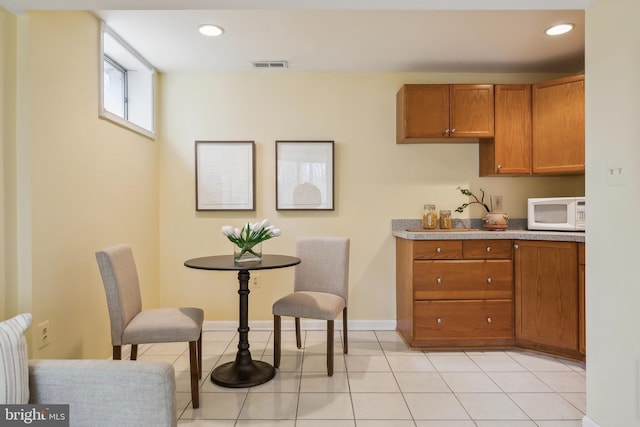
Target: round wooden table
244,371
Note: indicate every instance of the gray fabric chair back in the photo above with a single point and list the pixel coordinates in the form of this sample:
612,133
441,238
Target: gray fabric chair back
324,267
120,279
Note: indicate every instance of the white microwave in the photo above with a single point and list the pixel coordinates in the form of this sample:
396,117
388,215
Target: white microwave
557,213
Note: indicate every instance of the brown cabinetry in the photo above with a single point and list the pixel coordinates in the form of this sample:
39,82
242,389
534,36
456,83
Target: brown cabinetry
492,293
454,293
582,342
546,297
558,126
509,152
426,112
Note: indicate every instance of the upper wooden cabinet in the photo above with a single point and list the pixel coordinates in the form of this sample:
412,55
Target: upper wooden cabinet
558,126
509,153
425,113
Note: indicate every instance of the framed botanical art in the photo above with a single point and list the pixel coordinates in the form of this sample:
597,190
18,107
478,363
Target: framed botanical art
225,175
304,175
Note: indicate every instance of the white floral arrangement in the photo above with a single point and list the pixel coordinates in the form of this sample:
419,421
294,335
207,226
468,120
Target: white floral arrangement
250,235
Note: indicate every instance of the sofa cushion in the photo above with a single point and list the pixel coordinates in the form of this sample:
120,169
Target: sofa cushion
14,371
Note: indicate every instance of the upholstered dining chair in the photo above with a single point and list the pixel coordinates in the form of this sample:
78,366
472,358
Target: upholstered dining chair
320,291
132,325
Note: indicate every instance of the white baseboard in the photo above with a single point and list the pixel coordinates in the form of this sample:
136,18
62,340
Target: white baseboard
588,422
306,324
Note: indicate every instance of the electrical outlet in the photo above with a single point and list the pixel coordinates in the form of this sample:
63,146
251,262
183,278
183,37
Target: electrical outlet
497,203
255,281
43,334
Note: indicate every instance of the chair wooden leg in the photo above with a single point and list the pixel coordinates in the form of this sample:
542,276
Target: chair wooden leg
298,340
276,341
134,351
330,348
345,344
117,352
193,362
200,355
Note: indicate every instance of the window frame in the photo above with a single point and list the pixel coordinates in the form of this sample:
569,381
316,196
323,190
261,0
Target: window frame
112,117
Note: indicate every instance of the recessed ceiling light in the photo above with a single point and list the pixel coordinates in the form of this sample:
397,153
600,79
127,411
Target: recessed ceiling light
210,30
556,30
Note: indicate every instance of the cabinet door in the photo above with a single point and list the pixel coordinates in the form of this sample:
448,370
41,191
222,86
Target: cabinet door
422,112
582,341
546,294
471,114
558,126
509,153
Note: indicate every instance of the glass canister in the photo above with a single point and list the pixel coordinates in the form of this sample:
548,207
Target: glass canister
429,217
445,219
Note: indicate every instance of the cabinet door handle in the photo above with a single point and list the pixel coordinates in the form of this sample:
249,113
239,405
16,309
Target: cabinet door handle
439,320
453,130
489,280
439,280
489,320
499,167
516,247
438,250
488,248
446,131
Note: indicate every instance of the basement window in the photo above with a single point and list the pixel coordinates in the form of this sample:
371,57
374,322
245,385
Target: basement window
127,85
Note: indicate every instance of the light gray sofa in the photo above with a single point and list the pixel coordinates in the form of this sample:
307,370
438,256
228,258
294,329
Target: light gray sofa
107,392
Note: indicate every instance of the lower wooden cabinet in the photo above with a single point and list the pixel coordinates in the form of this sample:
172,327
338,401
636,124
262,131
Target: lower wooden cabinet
455,293
546,297
491,294
582,341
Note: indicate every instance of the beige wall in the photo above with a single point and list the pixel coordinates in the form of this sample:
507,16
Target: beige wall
375,179
88,184
613,108
7,95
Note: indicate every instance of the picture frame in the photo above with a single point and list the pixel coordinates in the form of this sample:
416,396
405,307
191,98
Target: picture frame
304,175
225,175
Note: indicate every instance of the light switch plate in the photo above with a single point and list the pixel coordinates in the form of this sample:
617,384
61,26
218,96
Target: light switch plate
617,171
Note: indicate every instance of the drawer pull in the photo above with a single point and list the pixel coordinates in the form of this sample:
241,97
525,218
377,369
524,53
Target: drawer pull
489,280
488,248
439,280
439,320
438,250
489,320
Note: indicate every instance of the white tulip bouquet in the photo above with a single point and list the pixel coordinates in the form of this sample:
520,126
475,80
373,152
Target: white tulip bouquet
249,235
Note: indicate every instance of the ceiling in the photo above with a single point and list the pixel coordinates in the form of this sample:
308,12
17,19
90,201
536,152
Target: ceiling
451,36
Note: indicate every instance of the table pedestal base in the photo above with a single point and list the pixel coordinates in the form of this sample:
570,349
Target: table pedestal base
238,375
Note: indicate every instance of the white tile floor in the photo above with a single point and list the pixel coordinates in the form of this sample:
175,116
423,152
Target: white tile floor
380,383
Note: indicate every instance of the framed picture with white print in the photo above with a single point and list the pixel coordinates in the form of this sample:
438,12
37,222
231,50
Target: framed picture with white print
225,175
304,175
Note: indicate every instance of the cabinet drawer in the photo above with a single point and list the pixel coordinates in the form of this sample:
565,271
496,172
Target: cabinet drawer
487,249
443,320
463,279
437,249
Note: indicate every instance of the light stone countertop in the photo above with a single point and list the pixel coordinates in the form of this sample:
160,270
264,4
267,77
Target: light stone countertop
516,231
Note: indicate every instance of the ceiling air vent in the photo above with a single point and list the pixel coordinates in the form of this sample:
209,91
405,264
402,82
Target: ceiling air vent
270,64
